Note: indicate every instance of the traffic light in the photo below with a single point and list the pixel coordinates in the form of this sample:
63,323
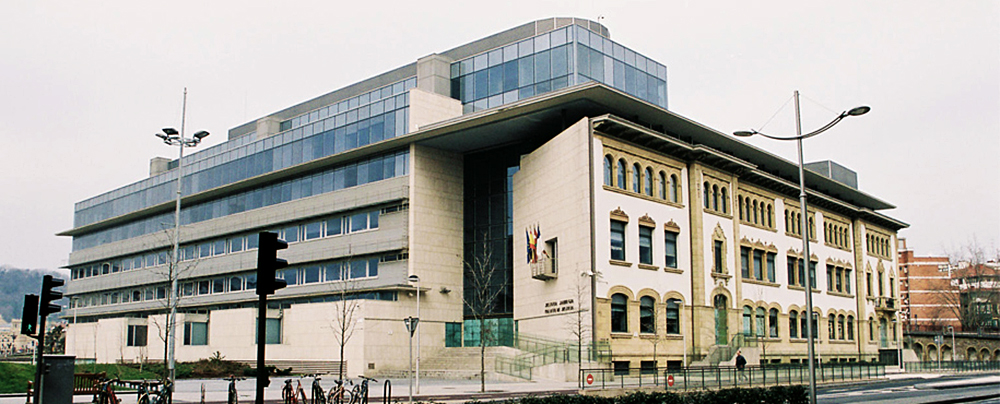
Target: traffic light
29,316
268,263
49,295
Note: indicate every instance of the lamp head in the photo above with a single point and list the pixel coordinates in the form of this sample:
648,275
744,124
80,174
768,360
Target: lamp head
170,131
413,278
745,133
858,111
201,134
162,136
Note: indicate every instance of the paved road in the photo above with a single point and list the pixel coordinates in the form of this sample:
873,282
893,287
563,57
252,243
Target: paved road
918,390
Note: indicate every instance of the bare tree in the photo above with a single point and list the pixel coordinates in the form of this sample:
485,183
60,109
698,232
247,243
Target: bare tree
174,271
579,324
345,314
480,297
975,286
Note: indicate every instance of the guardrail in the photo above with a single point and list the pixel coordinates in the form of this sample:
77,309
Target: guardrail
718,377
951,366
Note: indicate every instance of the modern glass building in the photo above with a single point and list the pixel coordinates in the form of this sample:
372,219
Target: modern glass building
491,167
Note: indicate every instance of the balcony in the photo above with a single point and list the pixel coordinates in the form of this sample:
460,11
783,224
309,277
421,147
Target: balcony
544,269
886,304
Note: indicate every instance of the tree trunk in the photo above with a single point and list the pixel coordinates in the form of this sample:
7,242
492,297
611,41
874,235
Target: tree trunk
482,356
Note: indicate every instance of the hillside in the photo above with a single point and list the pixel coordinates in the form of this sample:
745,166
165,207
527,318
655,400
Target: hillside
15,283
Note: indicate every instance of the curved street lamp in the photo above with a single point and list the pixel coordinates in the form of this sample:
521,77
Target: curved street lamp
804,223
171,137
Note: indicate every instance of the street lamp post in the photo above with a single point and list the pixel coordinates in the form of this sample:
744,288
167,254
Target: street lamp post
416,279
171,137
804,223
954,349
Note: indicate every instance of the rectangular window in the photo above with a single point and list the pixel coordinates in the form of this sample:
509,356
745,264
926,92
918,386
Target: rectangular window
333,226
290,234
758,265
771,277
452,335
359,269
812,274
252,241
236,244
195,333
617,240
273,333
333,272
670,249
645,245
840,279
359,222
204,250
251,281
312,231
829,278
137,335
620,368
289,275
718,254
791,270
310,274
219,247
745,262
847,280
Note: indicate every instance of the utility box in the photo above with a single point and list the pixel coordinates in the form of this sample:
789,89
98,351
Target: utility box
57,379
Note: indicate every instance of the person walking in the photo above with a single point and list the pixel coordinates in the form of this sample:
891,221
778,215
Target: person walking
741,363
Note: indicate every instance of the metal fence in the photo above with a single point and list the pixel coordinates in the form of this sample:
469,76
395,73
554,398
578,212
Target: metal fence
952,366
717,377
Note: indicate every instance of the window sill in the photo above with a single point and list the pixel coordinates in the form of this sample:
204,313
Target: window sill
717,213
642,196
649,267
758,226
718,275
797,287
839,294
620,263
841,342
621,335
673,270
759,282
649,336
839,247
799,236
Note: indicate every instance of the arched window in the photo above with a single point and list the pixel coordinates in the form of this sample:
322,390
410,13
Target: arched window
663,185
708,195
608,174
725,200
648,182
647,318
772,323
619,311
715,197
673,316
840,327
831,325
739,200
871,329
803,325
755,213
636,177
674,185
793,324
760,323
747,320
850,328
770,216
812,228
621,174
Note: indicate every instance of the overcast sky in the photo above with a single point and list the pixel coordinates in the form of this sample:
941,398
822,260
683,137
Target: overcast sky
85,85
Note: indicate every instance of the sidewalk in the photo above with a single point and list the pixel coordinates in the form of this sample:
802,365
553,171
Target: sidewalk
437,390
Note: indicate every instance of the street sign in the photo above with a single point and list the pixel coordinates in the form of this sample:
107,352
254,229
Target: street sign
938,339
670,380
411,324
590,379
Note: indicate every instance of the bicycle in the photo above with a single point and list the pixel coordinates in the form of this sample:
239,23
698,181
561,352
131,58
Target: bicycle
318,396
155,395
233,395
360,391
106,393
291,395
338,392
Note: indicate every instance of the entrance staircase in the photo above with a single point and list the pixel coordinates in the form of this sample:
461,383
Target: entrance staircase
536,351
726,354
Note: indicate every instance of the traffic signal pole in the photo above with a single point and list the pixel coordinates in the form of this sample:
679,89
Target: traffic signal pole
45,307
268,282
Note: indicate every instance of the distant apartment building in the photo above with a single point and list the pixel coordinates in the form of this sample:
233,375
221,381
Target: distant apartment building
937,293
929,300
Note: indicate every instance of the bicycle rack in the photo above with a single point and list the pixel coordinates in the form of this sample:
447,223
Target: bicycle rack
387,392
